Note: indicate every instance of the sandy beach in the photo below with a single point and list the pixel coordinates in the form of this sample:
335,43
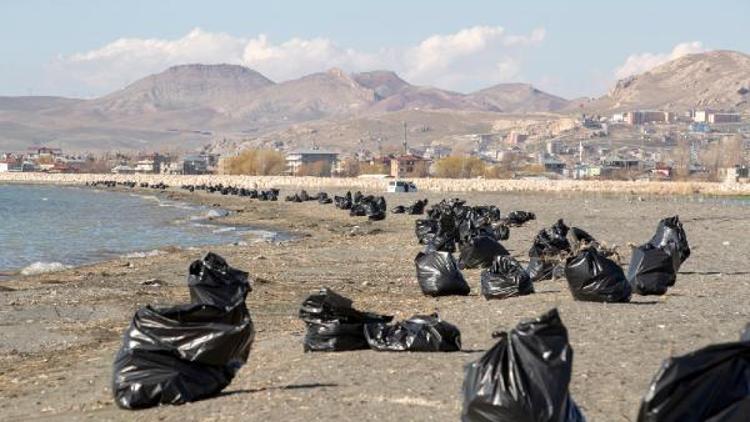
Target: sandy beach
60,330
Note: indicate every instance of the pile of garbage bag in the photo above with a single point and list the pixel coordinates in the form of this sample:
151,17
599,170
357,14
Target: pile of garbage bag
654,265
545,255
519,218
333,325
593,277
303,196
420,333
232,190
438,274
523,377
269,195
452,222
505,278
373,207
179,354
709,384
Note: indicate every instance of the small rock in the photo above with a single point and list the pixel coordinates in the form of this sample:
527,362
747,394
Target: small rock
154,282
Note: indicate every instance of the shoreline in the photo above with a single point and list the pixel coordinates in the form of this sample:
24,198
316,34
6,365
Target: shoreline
379,185
61,330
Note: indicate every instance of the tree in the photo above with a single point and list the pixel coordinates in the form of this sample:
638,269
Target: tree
350,168
377,168
681,157
498,171
256,162
96,164
455,167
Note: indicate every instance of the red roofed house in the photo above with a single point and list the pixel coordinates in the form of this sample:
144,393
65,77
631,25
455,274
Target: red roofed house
409,166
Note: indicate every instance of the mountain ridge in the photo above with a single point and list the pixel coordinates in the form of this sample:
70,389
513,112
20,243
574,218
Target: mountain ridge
190,105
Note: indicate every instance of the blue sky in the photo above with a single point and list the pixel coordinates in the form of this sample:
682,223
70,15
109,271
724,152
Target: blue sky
570,48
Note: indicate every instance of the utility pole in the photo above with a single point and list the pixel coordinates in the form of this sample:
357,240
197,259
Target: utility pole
406,150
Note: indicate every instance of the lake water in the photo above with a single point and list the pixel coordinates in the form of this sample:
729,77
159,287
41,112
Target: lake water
44,227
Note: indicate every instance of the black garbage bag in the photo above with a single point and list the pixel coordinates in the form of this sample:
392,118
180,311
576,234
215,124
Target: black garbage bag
709,384
595,278
425,230
441,243
654,265
333,324
375,209
546,252
651,270
399,209
418,207
180,354
671,237
323,198
518,218
505,278
420,333
501,232
358,210
580,237
480,252
523,377
213,282
343,202
438,275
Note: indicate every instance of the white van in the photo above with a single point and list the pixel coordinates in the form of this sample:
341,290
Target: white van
401,186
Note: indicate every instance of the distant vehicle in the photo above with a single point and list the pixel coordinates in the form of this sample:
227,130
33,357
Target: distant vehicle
401,186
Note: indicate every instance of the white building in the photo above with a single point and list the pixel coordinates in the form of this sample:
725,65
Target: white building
297,158
701,116
144,166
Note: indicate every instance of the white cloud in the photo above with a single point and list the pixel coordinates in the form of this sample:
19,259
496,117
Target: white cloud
470,58
639,63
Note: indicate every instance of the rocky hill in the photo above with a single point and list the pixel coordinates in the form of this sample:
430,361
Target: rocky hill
716,79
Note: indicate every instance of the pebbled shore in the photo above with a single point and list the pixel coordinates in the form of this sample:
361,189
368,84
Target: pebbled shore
60,330
377,184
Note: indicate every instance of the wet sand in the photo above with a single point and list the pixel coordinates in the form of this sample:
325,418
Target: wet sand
60,331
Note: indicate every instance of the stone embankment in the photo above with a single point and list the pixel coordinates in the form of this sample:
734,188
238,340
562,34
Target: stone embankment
378,184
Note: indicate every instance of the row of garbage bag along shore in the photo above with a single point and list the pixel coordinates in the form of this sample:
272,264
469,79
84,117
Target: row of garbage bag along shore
359,205
193,351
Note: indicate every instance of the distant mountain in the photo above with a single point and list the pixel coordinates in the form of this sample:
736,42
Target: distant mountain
187,86
716,79
518,98
188,105
35,103
312,97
